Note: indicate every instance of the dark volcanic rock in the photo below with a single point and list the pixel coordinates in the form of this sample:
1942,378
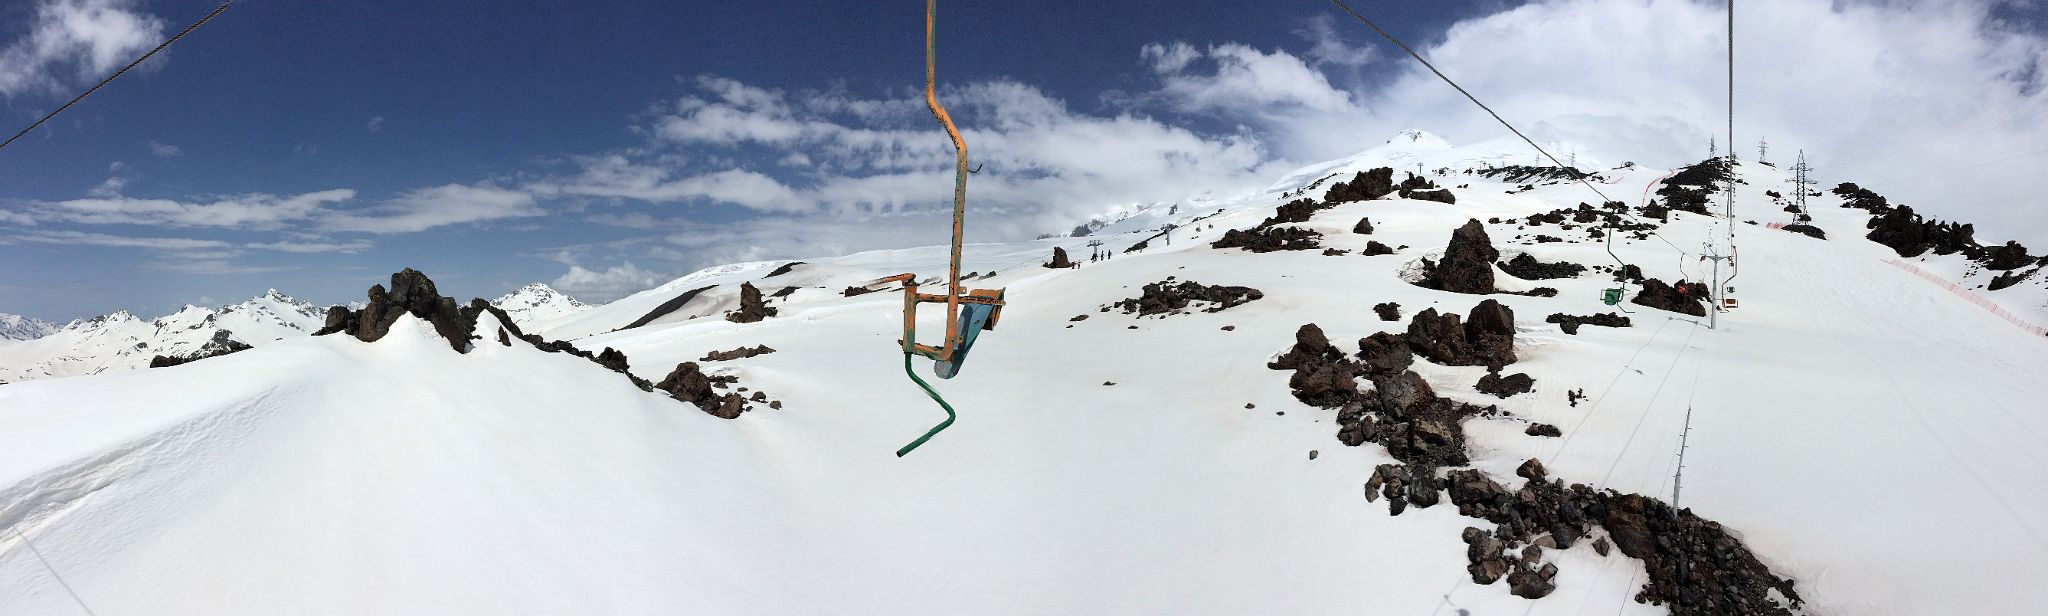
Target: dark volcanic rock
852,291
1690,187
1323,377
1487,340
1298,210
1418,187
1910,235
1364,226
1467,265
1543,429
1504,386
222,343
1808,230
1384,353
1167,297
688,383
1526,267
783,269
1365,186
673,304
739,353
1686,298
1059,259
1269,239
752,308
1570,323
411,293
1388,311
2011,256
1374,249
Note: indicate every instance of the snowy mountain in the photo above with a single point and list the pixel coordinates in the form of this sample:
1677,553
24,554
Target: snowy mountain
535,303
1136,437
17,327
121,341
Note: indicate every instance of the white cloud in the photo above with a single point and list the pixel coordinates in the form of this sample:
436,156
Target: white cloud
164,150
17,218
610,284
375,124
427,208
255,212
349,247
1876,92
75,42
121,241
212,267
856,157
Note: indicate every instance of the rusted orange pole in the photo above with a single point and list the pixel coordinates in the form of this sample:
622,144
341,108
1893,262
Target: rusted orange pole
931,100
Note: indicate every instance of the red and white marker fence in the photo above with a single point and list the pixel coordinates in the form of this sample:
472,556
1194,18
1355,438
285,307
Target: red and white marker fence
1972,297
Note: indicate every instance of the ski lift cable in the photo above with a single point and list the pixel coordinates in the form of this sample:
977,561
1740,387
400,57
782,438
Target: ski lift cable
1576,174
103,82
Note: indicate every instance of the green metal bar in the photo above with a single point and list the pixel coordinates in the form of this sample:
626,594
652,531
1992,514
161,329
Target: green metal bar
935,398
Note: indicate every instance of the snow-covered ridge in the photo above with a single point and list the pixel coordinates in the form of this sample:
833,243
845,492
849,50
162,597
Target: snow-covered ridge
17,327
122,341
1854,423
537,302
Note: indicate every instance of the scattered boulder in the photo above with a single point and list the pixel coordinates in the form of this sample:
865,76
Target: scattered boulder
1167,297
688,383
1364,226
1388,311
852,291
1269,239
1526,267
1685,298
1504,386
739,353
1807,230
1365,186
1570,323
1543,429
1059,259
1374,249
1487,340
1486,554
1467,265
752,307
783,269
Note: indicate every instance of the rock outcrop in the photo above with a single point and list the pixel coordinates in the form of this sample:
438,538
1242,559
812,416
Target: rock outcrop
1365,186
411,293
1526,267
1269,239
1059,259
1570,323
1685,298
739,353
1169,297
1467,265
1486,339
752,308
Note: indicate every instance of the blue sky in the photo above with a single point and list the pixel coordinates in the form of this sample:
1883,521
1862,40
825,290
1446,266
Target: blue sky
608,146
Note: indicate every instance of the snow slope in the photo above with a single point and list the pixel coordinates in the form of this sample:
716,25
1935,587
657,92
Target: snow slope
1876,439
121,341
